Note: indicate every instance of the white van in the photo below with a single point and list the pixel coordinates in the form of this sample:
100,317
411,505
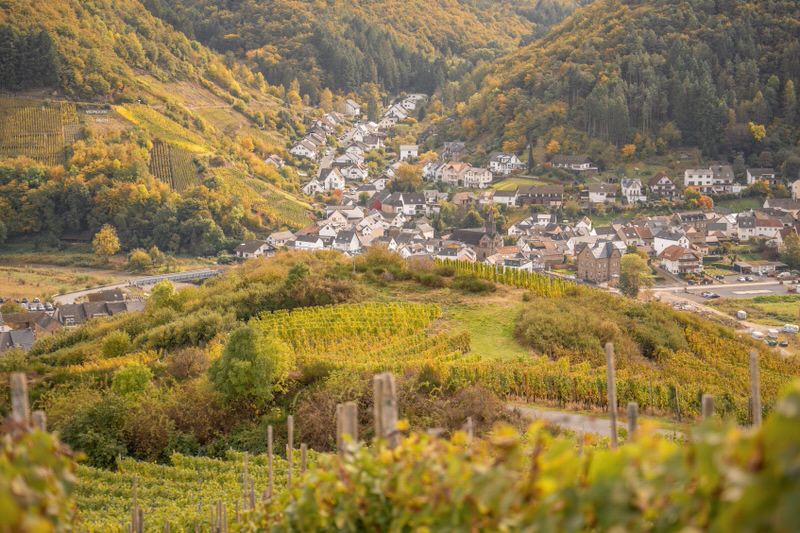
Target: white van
791,328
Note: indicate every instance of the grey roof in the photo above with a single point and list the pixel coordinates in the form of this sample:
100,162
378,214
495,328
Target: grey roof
670,235
345,237
249,247
18,338
602,249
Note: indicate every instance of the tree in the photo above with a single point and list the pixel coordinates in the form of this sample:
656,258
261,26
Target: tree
132,380
705,202
791,250
11,307
789,102
105,242
407,178
139,261
758,131
628,151
116,344
634,275
553,147
252,367
571,209
326,100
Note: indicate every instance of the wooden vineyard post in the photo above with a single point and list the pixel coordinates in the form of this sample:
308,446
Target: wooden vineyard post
269,461
470,429
20,409
386,409
755,389
346,424
708,406
39,419
303,457
289,449
612,392
633,422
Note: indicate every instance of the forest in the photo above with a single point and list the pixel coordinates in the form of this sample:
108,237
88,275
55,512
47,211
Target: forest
344,45
653,75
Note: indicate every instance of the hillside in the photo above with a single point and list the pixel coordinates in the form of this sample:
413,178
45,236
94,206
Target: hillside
89,80
197,377
343,44
656,75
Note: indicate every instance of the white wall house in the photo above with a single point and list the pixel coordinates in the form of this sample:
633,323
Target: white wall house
665,239
408,151
304,149
503,164
632,191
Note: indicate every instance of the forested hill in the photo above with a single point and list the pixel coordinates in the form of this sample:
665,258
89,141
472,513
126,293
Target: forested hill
653,73
116,118
342,44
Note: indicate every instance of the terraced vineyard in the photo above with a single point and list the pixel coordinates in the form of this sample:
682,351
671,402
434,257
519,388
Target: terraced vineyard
39,130
181,494
174,166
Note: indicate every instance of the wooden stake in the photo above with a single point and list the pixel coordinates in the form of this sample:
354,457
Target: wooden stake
708,406
377,406
633,422
289,449
346,424
20,409
269,458
303,457
39,420
388,409
470,429
612,392
755,389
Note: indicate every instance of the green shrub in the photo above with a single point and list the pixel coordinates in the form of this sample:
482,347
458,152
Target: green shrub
472,284
116,344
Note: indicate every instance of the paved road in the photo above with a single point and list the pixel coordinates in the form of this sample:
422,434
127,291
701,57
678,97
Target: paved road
72,297
574,421
729,290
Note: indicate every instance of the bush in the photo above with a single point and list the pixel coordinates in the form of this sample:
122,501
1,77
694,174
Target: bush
116,344
139,261
132,380
431,280
187,363
473,284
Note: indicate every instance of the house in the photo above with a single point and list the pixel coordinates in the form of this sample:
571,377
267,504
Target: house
305,149
503,164
785,205
796,190
456,252
108,295
332,179
397,112
72,315
547,195
408,151
599,262
661,186
254,248
40,322
632,191
464,175
760,267
507,198
275,161
598,193
372,142
347,241
387,123
355,172
762,174
351,108
753,226
308,242
280,238
666,238
313,187
432,171
483,241
712,180
679,260
696,219
578,163
18,339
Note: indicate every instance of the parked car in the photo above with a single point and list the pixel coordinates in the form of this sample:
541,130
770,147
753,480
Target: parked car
783,344
741,278
748,278
719,277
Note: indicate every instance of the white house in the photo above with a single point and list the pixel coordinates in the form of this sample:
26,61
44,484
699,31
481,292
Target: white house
700,178
332,179
464,175
347,241
632,191
679,260
280,238
304,149
409,151
580,163
507,198
255,248
503,164
761,174
758,227
387,123
309,242
796,190
355,172
313,187
713,180
351,108
666,238
397,111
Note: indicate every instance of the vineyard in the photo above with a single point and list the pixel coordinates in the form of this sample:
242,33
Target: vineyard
183,494
41,131
538,284
174,166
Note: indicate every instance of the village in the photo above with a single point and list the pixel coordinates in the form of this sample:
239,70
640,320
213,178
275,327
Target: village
554,227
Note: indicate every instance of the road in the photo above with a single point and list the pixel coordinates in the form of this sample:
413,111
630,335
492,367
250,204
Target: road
72,297
576,422
729,290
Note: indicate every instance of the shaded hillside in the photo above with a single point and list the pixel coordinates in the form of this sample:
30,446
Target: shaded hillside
654,74
106,78
409,45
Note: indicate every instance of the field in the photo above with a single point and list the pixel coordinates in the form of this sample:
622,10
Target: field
741,204
174,166
775,310
510,184
37,129
31,281
163,128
